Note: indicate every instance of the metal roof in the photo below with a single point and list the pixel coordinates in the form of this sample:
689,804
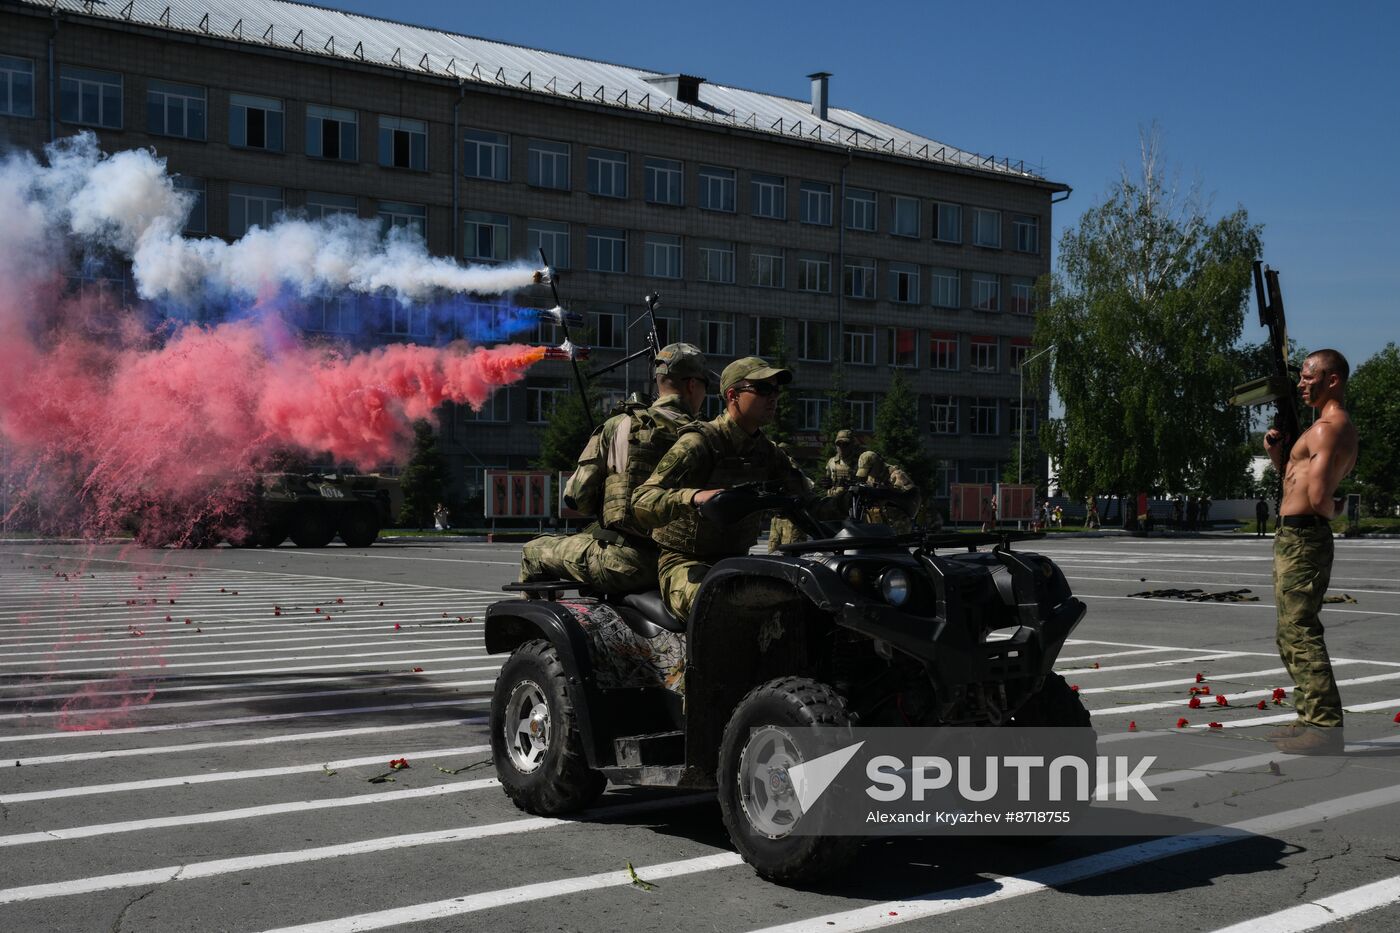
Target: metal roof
323,32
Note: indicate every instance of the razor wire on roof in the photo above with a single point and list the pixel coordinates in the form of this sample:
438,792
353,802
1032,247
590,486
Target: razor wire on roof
315,34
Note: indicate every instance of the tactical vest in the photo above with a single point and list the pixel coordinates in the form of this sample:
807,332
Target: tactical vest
705,540
840,472
638,444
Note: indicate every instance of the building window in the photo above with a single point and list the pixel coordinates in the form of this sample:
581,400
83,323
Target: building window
1023,296
814,274
943,351
811,413
983,416
945,474
255,122
333,314
607,173
486,155
947,222
89,96
665,182
16,87
860,345
986,293
251,206
607,250
859,212
1018,354
1027,234
816,203
943,415
859,278
986,228
541,402
332,133
862,407
550,236
403,143
175,110
983,473
903,346
668,328
947,288
548,164
904,216
320,205
717,262
1018,412
982,353
610,330
765,336
904,283
766,267
197,220
485,236
495,409
716,188
769,196
663,256
814,341
397,215
713,407
717,333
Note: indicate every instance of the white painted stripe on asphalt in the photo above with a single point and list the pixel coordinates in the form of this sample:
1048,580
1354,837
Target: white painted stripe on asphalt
243,813
525,893
946,901
383,656
87,790
1117,654
1215,679
1209,701
1214,656
1336,583
1324,910
162,690
60,656
77,714
244,720
1329,609
225,866
241,743
1257,654
1291,716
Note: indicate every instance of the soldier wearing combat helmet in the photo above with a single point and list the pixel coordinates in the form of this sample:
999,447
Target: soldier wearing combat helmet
854,463
710,456
616,555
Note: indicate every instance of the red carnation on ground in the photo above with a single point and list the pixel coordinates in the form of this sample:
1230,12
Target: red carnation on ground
1280,694
1263,705
1096,665
1205,691
418,670
1132,725
1074,687
397,626
1200,677
1221,700
1215,725
1195,703
398,764
1397,717
1182,722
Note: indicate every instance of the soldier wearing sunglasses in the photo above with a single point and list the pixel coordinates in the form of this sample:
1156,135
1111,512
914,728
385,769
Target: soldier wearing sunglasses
708,457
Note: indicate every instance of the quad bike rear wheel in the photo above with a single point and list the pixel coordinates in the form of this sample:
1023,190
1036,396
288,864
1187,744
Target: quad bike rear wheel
756,797
534,735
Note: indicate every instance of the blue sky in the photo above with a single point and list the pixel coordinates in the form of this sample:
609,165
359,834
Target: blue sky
1290,109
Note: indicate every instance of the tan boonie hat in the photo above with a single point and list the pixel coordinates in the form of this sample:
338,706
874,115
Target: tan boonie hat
843,435
683,361
754,369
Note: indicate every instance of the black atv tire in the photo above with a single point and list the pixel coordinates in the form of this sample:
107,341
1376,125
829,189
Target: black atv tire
359,526
312,528
550,776
788,701
1055,705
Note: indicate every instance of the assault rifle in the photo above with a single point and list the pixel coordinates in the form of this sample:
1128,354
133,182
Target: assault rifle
1280,386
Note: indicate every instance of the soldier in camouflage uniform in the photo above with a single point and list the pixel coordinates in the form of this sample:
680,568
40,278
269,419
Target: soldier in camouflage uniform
854,463
615,555
708,457
781,530
900,521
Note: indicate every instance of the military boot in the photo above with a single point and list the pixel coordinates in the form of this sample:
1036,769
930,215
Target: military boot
1312,740
1287,732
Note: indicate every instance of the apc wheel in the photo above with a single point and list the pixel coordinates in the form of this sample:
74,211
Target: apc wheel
312,528
756,797
534,737
270,536
359,526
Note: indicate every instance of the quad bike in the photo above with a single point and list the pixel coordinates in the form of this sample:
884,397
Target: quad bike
855,626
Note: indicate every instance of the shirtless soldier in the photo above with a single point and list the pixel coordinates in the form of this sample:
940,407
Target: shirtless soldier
1320,459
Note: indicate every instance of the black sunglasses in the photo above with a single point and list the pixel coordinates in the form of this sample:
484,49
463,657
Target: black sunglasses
761,389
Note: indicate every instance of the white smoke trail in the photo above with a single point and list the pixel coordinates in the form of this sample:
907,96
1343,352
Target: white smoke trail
127,202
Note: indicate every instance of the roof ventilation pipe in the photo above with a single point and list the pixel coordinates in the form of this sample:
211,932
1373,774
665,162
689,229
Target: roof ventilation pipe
819,93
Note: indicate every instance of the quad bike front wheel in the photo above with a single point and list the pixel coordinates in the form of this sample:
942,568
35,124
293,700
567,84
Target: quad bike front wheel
535,743
756,796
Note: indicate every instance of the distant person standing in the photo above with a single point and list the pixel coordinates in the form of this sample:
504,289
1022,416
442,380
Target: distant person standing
1091,518
1261,517
989,514
1318,462
441,519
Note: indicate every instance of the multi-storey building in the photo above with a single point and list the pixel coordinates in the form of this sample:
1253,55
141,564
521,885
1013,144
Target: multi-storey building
756,217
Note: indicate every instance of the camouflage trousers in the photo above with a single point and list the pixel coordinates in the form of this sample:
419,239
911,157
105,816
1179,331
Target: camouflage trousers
609,568
1302,570
680,578
782,531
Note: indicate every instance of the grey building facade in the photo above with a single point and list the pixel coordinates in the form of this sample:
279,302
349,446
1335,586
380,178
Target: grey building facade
755,216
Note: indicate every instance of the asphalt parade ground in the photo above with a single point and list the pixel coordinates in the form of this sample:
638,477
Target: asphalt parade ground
200,741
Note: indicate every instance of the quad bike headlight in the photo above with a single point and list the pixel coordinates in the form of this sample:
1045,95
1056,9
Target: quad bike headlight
894,586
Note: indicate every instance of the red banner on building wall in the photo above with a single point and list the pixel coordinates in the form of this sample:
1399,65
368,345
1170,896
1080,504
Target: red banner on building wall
970,502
